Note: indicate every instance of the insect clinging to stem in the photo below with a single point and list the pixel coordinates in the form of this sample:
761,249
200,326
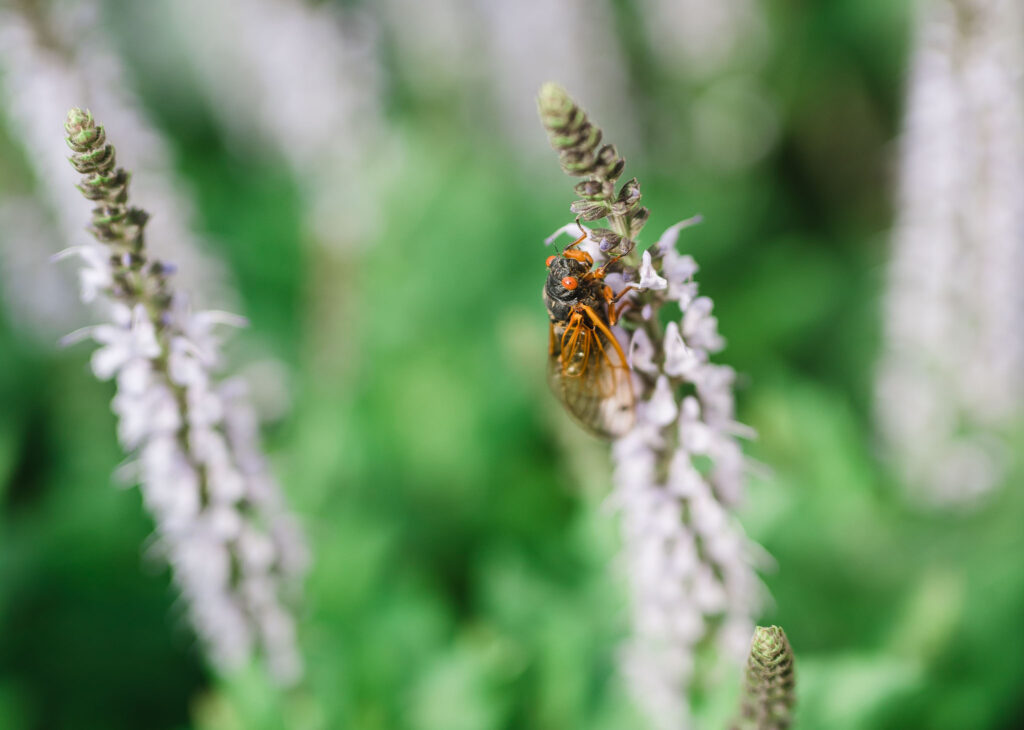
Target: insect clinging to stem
587,369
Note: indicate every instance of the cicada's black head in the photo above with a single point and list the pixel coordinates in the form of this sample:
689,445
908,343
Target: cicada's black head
564,286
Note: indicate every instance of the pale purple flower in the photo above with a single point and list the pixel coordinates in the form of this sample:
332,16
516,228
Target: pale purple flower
131,339
700,328
322,115
199,462
220,520
574,230
94,276
680,360
146,412
689,565
641,352
661,409
951,378
649,277
679,270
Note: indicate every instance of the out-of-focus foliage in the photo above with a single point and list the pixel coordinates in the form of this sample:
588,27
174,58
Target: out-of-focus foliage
461,556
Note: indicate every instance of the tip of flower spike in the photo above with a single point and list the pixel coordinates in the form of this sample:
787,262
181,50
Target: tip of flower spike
769,689
770,646
83,134
78,117
562,118
552,97
79,124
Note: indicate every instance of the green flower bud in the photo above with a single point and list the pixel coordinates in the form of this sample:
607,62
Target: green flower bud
770,683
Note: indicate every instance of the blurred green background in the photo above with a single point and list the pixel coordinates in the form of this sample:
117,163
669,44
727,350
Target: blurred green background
461,574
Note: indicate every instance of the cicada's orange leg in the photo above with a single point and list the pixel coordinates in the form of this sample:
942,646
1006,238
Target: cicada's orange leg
607,332
581,256
570,252
577,242
621,294
572,345
605,391
599,273
588,338
613,313
572,332
551,338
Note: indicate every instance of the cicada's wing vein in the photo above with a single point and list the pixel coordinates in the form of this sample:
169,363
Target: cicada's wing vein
590,376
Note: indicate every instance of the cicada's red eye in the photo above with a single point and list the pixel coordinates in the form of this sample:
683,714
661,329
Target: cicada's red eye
570,282
550,259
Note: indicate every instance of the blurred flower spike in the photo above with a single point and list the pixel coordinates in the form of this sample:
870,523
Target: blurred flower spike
680,470
236,554
949,386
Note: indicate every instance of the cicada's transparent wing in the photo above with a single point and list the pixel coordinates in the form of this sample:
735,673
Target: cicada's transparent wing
589,374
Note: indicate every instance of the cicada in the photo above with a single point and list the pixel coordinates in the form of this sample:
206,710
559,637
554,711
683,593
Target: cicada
587,369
